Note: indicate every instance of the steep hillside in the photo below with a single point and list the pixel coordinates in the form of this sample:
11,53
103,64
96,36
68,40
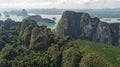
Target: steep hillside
111,53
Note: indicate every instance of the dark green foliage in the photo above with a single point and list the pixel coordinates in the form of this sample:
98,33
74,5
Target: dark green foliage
4,63
9,25
93,60
31,59
8,53
109,53
55,55
71,57
8,37
62,41
2,44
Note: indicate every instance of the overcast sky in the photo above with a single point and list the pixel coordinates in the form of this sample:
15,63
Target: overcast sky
65,4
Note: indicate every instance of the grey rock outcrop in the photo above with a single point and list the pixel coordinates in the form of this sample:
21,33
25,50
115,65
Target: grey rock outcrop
82,26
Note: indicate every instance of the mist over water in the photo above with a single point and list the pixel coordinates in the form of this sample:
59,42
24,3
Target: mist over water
20,18
111,20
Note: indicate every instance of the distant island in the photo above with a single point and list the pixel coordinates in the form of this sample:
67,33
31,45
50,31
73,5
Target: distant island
42,21
38,18
22,12
0,14
7,15
100,13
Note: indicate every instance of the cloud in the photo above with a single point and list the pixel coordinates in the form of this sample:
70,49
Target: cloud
59,4
76,1
24,3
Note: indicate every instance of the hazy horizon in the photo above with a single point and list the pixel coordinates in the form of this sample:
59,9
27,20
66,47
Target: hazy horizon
60,4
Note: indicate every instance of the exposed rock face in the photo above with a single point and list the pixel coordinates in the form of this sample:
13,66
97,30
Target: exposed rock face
82,26
77,25
119,35
69,25
103,33
115,33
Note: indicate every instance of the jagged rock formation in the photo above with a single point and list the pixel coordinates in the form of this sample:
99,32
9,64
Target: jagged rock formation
35,37
82,26
103,33
26,29
40,38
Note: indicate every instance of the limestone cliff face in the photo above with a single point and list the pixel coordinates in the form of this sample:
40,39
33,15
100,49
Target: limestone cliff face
103,33
115,33
82,26
119,35
27,24
69,24
40,38
77,25
34,36
26,29
88,28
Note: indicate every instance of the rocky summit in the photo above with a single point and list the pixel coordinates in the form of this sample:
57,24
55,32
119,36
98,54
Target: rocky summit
79,25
